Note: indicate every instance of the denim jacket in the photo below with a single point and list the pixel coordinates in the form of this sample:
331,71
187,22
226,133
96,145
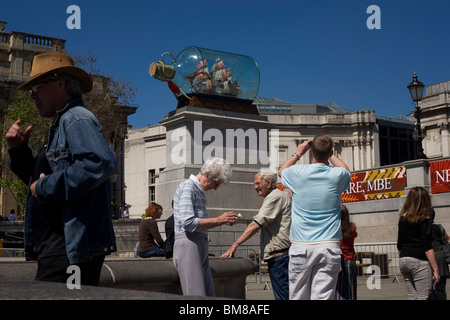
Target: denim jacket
82,164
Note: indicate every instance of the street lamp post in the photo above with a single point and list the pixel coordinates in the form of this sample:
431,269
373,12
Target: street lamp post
416,90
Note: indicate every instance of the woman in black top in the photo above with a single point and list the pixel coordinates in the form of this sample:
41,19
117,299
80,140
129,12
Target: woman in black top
417,261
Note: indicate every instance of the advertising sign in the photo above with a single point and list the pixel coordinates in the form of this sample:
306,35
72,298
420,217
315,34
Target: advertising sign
377,184
440,176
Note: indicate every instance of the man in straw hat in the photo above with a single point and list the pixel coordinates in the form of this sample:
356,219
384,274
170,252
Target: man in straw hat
68,210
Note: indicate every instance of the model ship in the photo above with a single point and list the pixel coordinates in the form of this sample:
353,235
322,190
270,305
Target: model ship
216,81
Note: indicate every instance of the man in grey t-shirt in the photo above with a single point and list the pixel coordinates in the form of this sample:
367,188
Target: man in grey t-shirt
274,220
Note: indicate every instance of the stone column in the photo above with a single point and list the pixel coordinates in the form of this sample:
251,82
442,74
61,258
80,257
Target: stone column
445,139
417,175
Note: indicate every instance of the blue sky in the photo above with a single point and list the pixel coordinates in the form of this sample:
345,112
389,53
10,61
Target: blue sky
307,51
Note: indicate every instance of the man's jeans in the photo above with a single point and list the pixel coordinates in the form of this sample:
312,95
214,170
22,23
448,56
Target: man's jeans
279,276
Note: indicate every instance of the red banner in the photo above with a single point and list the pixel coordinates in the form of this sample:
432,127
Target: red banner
440,176
376,184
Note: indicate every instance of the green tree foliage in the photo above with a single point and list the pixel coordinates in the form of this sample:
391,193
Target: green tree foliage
24,109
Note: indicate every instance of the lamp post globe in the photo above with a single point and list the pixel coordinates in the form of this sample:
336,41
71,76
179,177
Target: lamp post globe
416,90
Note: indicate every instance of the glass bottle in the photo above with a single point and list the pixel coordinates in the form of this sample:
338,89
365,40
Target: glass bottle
200,71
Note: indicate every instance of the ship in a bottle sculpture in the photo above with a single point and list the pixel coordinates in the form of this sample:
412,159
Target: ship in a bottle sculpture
209,78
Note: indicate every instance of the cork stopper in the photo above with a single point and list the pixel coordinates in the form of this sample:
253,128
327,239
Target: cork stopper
161,71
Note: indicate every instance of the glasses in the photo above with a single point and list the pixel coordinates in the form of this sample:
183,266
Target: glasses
35,88
216,183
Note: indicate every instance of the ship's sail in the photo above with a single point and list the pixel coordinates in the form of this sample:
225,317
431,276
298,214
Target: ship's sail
216,81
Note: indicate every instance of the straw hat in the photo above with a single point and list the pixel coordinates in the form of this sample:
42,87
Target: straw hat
56,63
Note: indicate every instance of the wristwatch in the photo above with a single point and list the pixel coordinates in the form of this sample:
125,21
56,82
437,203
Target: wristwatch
296,155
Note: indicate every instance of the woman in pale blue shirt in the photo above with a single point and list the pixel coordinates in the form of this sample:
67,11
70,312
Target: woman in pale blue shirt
190,253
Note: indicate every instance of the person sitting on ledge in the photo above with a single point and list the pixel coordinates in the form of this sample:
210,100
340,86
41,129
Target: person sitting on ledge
151,243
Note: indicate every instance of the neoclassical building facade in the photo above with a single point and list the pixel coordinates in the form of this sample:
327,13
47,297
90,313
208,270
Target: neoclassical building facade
363,139
435,115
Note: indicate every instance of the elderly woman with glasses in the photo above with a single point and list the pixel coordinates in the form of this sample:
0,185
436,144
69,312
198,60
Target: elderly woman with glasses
190,255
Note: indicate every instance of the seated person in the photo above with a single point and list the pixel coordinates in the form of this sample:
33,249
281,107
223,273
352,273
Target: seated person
151,243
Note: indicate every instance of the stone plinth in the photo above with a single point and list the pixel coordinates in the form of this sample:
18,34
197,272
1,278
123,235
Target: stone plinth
156,275
193,134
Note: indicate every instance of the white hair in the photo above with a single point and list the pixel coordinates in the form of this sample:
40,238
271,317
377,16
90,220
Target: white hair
268,176
218,169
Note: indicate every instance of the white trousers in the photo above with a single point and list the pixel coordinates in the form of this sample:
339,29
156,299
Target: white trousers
314,270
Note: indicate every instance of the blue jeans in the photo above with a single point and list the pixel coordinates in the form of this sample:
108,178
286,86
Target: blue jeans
279,276
155,252
347,282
